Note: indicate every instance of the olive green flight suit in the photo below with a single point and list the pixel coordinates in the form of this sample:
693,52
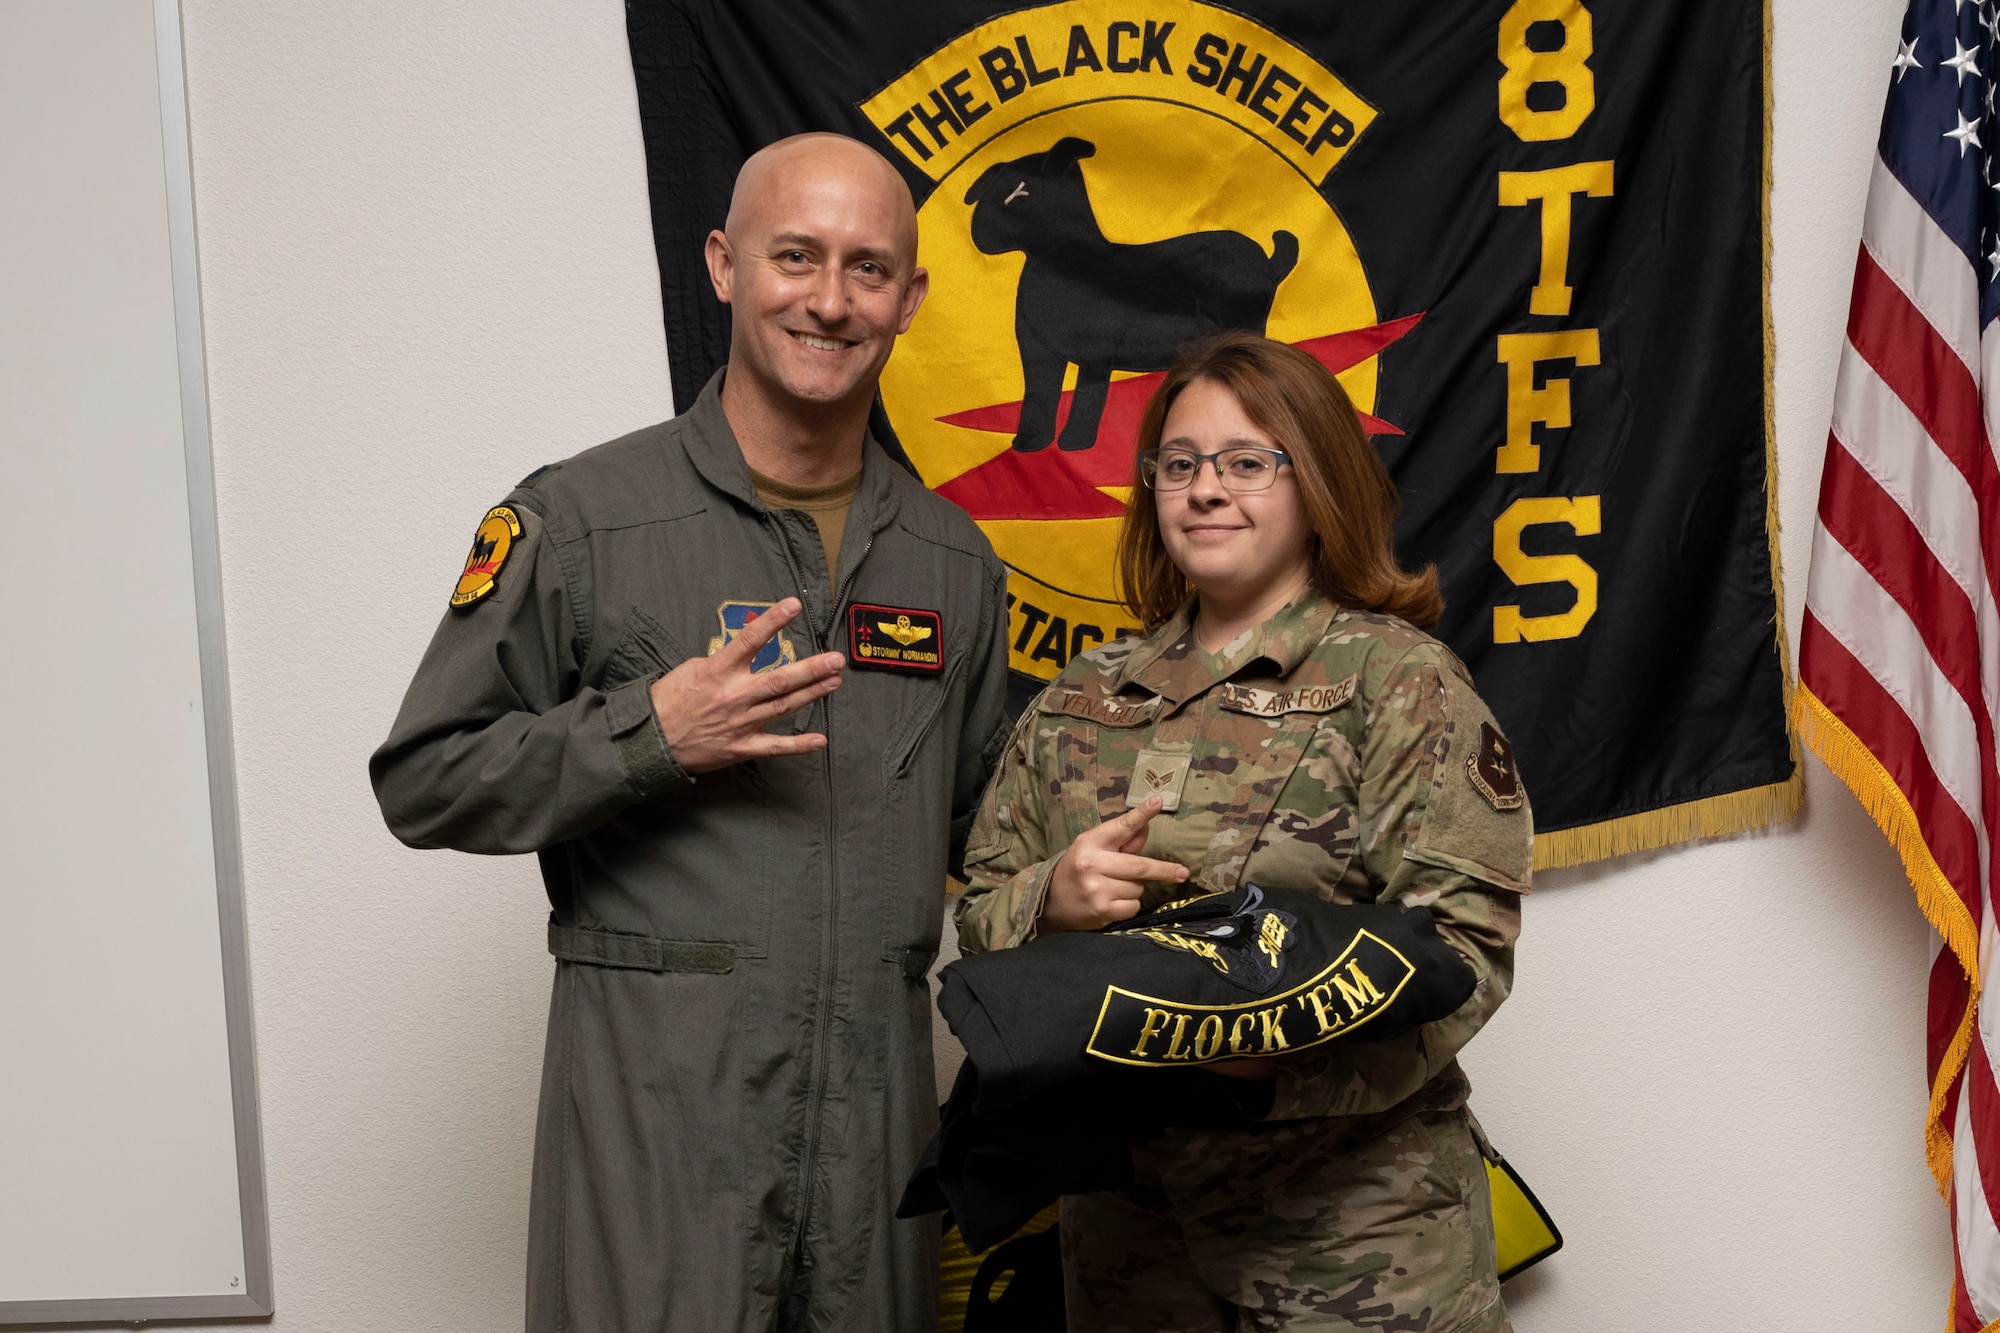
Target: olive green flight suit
738,1074
1328,751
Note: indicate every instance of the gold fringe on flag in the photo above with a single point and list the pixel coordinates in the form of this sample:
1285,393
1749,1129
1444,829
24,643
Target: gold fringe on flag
1710,817
1855,765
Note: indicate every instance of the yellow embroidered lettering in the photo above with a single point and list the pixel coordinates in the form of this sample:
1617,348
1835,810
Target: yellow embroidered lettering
1320,997
1208,1037
1359,995
1238,1043
1155,1024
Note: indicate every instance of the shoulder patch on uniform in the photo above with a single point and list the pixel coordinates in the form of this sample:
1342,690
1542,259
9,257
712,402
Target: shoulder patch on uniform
1109,712
735,617
492,543
1492,770
1275,703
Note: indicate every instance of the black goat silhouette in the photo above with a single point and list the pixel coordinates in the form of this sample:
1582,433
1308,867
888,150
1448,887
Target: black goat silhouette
1102,305
482,551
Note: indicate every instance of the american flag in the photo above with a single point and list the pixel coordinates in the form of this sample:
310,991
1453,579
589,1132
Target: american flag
1899,660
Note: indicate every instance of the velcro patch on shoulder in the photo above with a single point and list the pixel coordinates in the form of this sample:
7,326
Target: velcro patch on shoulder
492,542
1276,703
1492,770
1107,712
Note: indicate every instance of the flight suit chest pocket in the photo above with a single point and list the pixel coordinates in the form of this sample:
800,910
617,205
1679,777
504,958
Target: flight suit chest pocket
644,649
918,775
697,864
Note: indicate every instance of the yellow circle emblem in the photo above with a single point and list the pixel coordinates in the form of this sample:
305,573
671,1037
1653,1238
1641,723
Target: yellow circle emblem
1071,253
491,545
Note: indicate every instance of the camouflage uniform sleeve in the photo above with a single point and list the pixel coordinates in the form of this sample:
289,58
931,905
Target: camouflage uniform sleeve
499,747
1008,859
1429,837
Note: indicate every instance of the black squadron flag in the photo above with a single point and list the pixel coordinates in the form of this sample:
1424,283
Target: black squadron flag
1528,235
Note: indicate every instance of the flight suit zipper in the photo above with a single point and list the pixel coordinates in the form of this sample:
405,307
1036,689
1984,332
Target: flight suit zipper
829,954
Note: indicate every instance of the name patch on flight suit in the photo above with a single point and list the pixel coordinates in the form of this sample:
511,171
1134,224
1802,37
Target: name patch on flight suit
1135,1029
1157,773
492,543
895,638
1276,703
735,617
1492,770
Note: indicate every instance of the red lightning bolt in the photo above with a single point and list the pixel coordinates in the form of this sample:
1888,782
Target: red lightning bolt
1055,484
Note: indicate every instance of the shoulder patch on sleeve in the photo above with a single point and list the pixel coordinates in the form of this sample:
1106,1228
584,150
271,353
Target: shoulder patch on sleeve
492,542
1477,819
1492,770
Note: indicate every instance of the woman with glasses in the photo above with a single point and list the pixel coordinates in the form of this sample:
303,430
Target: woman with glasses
1284,721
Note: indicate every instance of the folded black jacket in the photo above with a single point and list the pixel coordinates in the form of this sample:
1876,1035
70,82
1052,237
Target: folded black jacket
996,1172
1080,1043
1256,972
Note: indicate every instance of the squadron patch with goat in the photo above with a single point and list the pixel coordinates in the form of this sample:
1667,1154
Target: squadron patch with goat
895,638
492,543
1131,183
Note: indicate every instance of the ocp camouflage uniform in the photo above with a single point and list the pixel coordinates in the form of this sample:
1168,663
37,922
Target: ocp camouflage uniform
1329,750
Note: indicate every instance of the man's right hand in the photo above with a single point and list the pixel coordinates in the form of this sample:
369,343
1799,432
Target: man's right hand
1101,877
713,710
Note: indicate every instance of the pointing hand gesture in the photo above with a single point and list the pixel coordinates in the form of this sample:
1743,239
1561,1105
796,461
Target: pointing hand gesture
1101,876
713,710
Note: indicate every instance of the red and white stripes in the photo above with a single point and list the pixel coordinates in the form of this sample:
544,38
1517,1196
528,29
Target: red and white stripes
1899,659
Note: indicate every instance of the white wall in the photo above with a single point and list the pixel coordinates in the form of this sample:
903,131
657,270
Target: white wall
427,269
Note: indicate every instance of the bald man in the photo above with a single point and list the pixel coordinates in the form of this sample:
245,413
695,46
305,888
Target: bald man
738,680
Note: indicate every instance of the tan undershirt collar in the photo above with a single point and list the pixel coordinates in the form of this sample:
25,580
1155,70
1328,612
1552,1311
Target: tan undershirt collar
827,504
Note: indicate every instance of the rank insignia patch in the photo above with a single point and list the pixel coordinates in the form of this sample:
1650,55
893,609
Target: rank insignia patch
895,638
735,617
1492,770
1157,773
491,545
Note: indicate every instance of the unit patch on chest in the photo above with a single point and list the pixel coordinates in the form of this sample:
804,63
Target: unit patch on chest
895,638
1276,703
492,543
735,617
1157,773
1492,770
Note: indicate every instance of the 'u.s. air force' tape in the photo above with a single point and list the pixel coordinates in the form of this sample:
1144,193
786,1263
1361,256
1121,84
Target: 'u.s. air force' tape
1134,1029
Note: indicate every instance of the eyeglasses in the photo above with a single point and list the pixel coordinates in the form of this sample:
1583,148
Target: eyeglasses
1244,468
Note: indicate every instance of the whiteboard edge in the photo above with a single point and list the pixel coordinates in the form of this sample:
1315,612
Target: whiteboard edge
209,629
256,1299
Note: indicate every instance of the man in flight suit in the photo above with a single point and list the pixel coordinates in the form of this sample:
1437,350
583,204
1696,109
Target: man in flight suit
738,680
